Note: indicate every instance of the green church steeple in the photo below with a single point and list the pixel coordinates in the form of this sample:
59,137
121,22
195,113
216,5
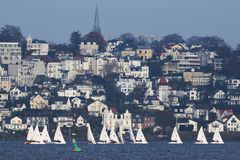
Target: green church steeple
96,27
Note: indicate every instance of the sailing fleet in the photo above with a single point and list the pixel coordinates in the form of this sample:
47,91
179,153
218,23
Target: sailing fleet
34,136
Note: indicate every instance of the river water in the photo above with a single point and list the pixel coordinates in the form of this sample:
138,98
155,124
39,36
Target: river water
16,150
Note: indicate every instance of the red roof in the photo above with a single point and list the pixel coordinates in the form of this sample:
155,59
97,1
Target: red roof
163,81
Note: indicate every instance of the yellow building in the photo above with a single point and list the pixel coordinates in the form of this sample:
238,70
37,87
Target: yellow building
144,52
197,78
38,102
5,83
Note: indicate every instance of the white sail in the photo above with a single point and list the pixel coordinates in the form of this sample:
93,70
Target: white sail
90,137
45,135
217,139
175,138
58,137
140,138
132,137
104,136
201,139
113,136
30,133
37,137
120,135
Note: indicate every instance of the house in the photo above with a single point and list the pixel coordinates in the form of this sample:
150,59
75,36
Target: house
38,102
37,48
40,120
80,121
197,78
221,113
6,82
96,108
233,97
66,121
144,52
53,70
137,121
16,124
11,53
148,122
219,97
232,124
179,111
201,111
16,93
60,103
153,103
88,48
4,96
212,126
185,124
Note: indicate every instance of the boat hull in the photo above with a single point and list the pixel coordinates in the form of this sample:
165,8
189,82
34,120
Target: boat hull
175,143
217,142
201,142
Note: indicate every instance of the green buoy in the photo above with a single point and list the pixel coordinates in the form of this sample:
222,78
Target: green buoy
76,148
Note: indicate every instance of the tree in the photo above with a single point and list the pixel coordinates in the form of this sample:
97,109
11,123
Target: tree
75,40
128,38
142,40
211,43
110,67
172,38
98,38
157,47
10,33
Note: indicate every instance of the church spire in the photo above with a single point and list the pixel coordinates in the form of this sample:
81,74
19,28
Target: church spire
96,27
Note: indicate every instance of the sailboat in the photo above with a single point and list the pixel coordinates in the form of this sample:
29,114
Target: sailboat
37,137
58,137
45,136
201,139
175,138
104,139
113,136
140,138
132,137
120,135
29,135
217,139
90,137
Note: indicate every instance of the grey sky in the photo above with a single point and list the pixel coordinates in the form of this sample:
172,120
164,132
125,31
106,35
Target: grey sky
54,20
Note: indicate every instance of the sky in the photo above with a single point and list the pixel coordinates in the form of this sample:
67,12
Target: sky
54,20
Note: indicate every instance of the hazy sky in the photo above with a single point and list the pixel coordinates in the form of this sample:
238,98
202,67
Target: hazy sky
54,20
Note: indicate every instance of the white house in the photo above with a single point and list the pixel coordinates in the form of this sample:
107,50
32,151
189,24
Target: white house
215,125
53,70
80,121
232,124
96,108
16,93
16,124
10,53
37,48
88,48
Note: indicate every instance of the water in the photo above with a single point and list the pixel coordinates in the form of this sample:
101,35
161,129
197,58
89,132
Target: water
151,151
